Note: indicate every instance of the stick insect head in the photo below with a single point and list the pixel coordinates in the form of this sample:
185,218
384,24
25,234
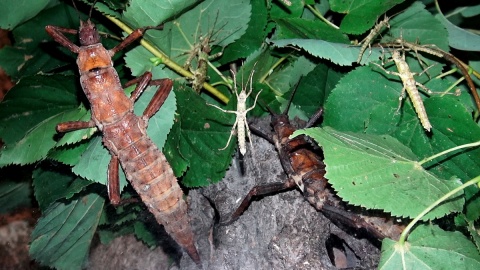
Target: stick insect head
88,33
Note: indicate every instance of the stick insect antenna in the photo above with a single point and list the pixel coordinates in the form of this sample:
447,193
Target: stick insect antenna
290,99
91,9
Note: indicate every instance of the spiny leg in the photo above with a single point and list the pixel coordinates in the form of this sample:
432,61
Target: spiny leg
142,83
231,135
314,118
136,34
159,97
257,191
74,125
113,182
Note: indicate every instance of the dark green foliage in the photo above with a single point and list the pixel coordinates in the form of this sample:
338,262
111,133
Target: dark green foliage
373,148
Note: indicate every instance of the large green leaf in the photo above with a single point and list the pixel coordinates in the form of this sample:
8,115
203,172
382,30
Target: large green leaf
310,94
201,131
339,53
378,172
374,111
16,12
308,29
51,185
220,21
29,114
28,55
64,233
142,13
416,24
14,195
361,15
254,35
430,247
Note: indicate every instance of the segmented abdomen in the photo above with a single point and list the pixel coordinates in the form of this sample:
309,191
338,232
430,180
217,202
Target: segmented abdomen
152,177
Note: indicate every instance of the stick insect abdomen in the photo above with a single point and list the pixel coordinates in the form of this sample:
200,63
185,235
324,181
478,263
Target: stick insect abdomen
151,176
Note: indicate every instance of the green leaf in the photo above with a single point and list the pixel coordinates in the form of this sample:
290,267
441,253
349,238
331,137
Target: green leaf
68,155
430,247
310,95
31,53
338,53
254,35
308,29
202,130
222,22
417,25
474,233
361,15
17,12
51,185
378,172
94,162
151,13
285,76
143,233
29,114
459,38
374,111
14,195
64,233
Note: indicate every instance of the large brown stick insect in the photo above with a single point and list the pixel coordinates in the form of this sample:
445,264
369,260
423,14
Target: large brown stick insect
305,169
124,133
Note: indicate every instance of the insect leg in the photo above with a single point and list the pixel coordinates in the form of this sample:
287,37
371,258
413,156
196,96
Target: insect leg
138,33
257,191
113,185
142,83
74,125
56,33
231,134
387,71
248,133
159,97
314,118
261,133
400,99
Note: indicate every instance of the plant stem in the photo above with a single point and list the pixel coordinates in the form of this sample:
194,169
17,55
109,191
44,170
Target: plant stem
320,16
404,235
167,61
474,144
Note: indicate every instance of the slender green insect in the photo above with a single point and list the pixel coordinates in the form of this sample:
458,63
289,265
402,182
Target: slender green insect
241,121
410,86
373,33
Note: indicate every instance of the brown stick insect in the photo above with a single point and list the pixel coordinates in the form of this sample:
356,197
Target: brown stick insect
305,169
124,133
